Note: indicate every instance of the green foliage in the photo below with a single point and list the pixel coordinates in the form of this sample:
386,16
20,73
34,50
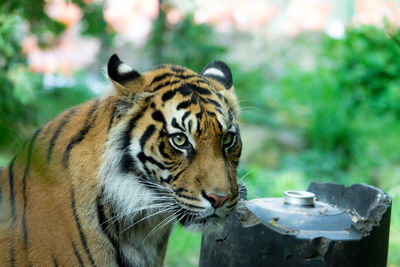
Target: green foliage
341,103
184,43
17,84
346,109
22,97
33,12
372,63
253,101
94,24
183,248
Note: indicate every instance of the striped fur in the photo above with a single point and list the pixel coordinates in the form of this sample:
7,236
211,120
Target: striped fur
104,183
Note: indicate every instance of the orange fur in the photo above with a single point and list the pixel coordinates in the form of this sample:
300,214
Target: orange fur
50,208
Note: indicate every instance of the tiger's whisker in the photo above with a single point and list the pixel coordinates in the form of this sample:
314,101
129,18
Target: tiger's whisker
161,225
120,216
147,217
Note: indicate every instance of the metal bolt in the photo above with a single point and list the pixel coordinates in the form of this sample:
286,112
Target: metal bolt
297,197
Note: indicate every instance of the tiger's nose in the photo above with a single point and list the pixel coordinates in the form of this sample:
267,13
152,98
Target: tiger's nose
215,200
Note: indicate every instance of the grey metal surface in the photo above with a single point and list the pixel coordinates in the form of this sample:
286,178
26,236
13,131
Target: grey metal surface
346,226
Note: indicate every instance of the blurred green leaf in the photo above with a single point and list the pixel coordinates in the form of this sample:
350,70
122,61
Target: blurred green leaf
184,43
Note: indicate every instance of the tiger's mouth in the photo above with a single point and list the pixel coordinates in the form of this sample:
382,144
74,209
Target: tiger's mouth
198,223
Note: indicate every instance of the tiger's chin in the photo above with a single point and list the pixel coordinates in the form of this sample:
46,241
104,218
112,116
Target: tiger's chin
207,225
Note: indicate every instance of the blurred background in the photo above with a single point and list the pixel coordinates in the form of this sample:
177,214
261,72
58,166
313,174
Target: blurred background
318,81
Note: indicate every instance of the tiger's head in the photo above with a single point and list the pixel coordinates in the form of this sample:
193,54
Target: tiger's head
174,145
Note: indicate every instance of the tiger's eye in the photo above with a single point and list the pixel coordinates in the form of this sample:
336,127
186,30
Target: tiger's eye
179,139
228,140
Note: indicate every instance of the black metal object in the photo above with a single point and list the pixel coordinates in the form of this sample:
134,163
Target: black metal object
346,226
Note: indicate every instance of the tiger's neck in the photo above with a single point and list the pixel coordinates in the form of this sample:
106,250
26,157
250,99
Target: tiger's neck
137,241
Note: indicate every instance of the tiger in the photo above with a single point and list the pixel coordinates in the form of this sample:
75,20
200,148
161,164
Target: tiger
105,182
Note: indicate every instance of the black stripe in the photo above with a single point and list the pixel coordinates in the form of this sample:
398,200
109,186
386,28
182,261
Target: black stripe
185,89
26,172
12,193
190,125
200,90
105,225
160,77
168,95
199,131
146,135
143,158
150,174
194,99
199,115
81,135
78,225
203,99
128,131
174,178
53,139
221,129
169,178
230,114
114,108
161,148
187,76
191,206
175,124
169,83
127,163
180,189
186,196
77,254
54,260
212,114
103,220
220,112
158,116
12,254
47,129
215,103
178,69
206,82
187,113
232,205
184,104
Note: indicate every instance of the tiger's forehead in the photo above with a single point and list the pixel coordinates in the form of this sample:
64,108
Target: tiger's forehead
190,102
163,75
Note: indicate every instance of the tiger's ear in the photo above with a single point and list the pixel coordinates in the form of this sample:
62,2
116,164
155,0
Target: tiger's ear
219,71
125,79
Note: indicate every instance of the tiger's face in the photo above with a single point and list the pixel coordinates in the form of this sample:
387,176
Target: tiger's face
179,148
